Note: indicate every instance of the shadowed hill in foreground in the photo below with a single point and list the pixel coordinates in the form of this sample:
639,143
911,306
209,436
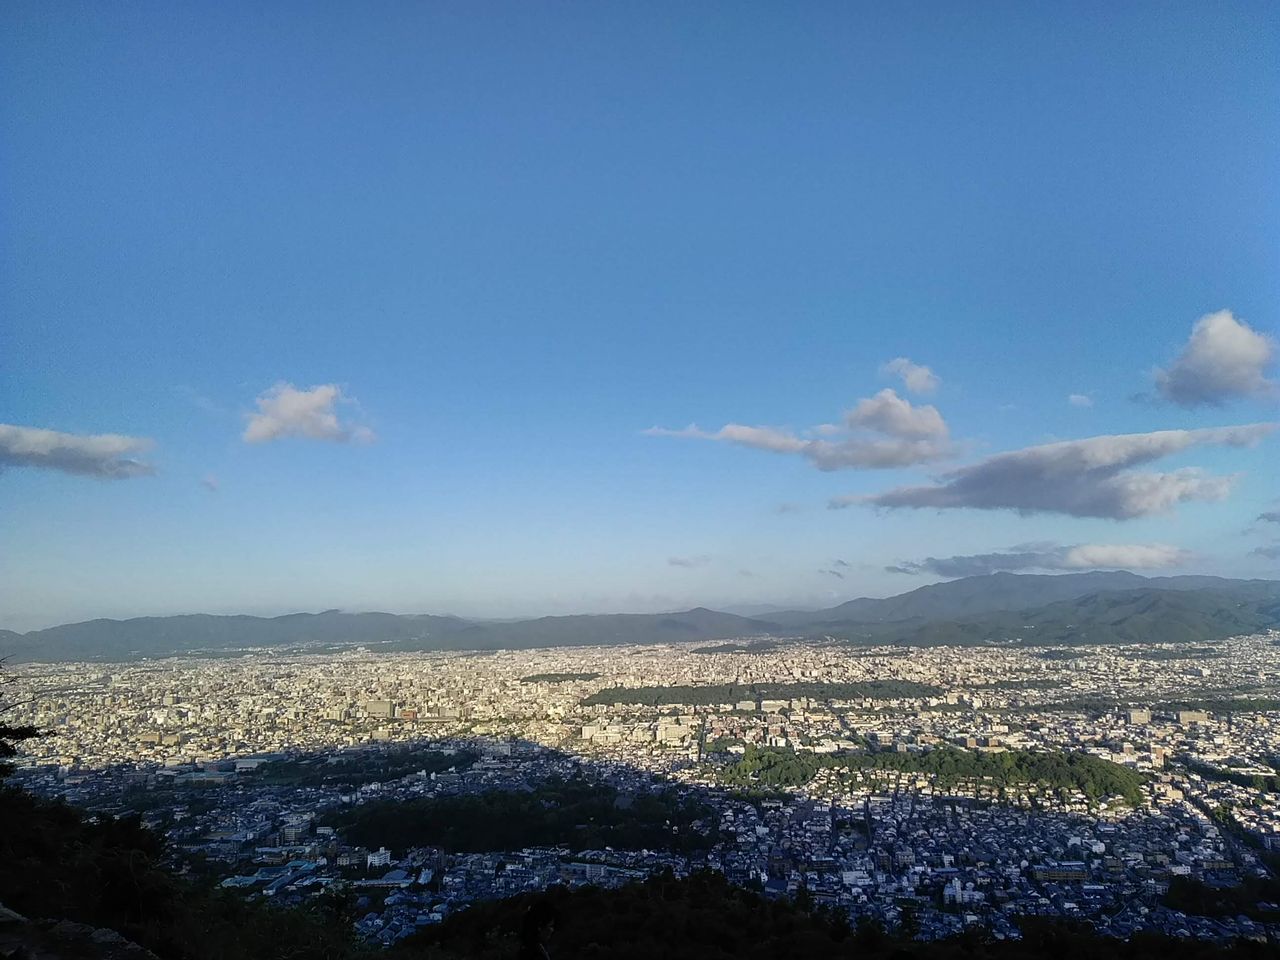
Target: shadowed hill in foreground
62,867
706,918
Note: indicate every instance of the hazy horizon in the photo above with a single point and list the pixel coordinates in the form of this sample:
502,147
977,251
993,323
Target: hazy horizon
746,608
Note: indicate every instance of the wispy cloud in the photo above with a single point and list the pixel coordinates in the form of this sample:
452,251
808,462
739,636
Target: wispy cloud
701,560
1080,478
1271,516
833,573
286,411
1225,359
210,483
1085,556
908,435
109,456
915,377
1080,400
199,400
1271,553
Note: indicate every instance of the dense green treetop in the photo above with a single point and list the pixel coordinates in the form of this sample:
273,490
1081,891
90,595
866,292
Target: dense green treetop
576,813
1096,778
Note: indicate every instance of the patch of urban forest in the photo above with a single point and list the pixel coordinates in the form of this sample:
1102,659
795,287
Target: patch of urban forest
1101,705
1223,705
1092,776
1264,783
732,693
558,677
575,813
358,769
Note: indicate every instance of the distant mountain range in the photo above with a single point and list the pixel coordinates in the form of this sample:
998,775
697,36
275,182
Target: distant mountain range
1002,608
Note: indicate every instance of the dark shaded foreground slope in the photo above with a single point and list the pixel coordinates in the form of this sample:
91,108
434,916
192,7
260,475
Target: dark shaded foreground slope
61,867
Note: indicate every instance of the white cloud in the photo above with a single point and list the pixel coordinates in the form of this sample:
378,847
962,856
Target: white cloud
916,378
911,435
1081,478
762,438
889,414
1080,400
1131,556
824,454
286,411
1086,556
107,455
1224,359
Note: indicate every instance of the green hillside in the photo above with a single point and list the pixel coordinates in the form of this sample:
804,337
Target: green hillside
1116,616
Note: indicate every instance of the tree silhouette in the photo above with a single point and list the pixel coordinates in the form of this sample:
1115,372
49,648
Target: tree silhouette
10,735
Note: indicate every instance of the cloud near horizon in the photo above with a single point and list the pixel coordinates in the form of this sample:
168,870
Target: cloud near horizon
1079,478
286,411
108,456
909,435
915,377
1086,556
1225,359
701,560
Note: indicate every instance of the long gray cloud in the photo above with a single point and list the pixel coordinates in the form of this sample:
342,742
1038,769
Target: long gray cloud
1271,516
111,456
1224,359
909,435
1080,478
1085,556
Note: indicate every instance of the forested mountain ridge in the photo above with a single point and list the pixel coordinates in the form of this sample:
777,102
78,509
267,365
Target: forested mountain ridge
999,608
1113,616
970,596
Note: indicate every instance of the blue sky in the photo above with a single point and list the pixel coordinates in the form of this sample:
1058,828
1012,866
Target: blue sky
511,238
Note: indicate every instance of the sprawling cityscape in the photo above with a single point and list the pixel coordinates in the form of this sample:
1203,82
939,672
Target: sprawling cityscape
892,783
